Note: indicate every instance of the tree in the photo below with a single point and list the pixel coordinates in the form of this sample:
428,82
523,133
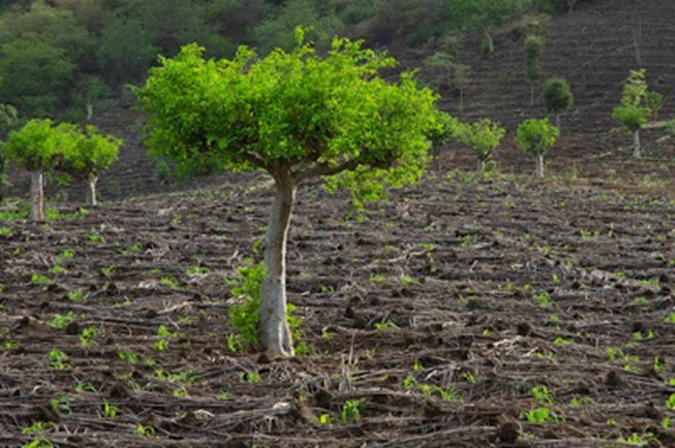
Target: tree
533,46
482,137
535,137
438,135
558,98
296,116
444,71
638,105
9,117
37,146
483,16
91,154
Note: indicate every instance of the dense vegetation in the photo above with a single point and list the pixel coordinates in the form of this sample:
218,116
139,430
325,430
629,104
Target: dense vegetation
69,59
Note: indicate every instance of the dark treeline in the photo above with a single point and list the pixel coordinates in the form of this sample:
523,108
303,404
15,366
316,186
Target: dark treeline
70,59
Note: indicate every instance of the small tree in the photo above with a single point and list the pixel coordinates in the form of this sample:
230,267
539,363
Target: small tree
558,98
483,137
441,133
638,105
533,47
295,116
92,154
535,137
37,147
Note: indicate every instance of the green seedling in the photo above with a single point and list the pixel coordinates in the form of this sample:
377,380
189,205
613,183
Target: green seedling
377,278
38,427
169,282
60,321
61,404
542,394
96,239
39,279
87,335
136,247
195,271
108,410
108,271
543,299
385,325
145,431
670,404
76,295
57,359
352,410
539,416
42,442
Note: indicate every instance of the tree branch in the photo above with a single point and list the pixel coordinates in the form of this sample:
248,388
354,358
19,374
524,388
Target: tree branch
255,159
325,169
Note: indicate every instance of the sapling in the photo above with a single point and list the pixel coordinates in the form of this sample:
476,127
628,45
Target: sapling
558,98
638,105
535,137
296,116
482,137
92,154
37,146
533,47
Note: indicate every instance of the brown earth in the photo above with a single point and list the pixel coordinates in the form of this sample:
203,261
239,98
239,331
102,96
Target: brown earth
441,309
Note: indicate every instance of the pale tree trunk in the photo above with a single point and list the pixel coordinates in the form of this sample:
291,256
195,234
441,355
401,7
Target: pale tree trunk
636,145
481,165
37,196
557,121
90,194
570,5
539,171
275,335
90,111
489,40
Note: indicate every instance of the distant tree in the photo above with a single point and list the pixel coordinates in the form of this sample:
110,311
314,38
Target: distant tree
482,137
558,98
638,105
91,154
277,31
444,71
296,116
536,137
126,52
440,134
534,45
9,117
37,147
483,16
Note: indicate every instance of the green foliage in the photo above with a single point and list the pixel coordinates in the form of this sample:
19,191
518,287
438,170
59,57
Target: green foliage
40,49
36,146
125,52
277,31
534,45
352,410
91,154
536,136
638,104
482,137
539,416
558,96
311,115
245,316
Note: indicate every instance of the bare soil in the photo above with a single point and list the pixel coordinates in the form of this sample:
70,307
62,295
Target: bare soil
439,310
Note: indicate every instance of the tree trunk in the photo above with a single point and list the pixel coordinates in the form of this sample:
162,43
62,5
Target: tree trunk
90,111
489,41
275,335
539,171
636,145
557,121
90,198
37,196
481,166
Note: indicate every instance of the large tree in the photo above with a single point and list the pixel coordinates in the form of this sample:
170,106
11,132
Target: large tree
295,115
